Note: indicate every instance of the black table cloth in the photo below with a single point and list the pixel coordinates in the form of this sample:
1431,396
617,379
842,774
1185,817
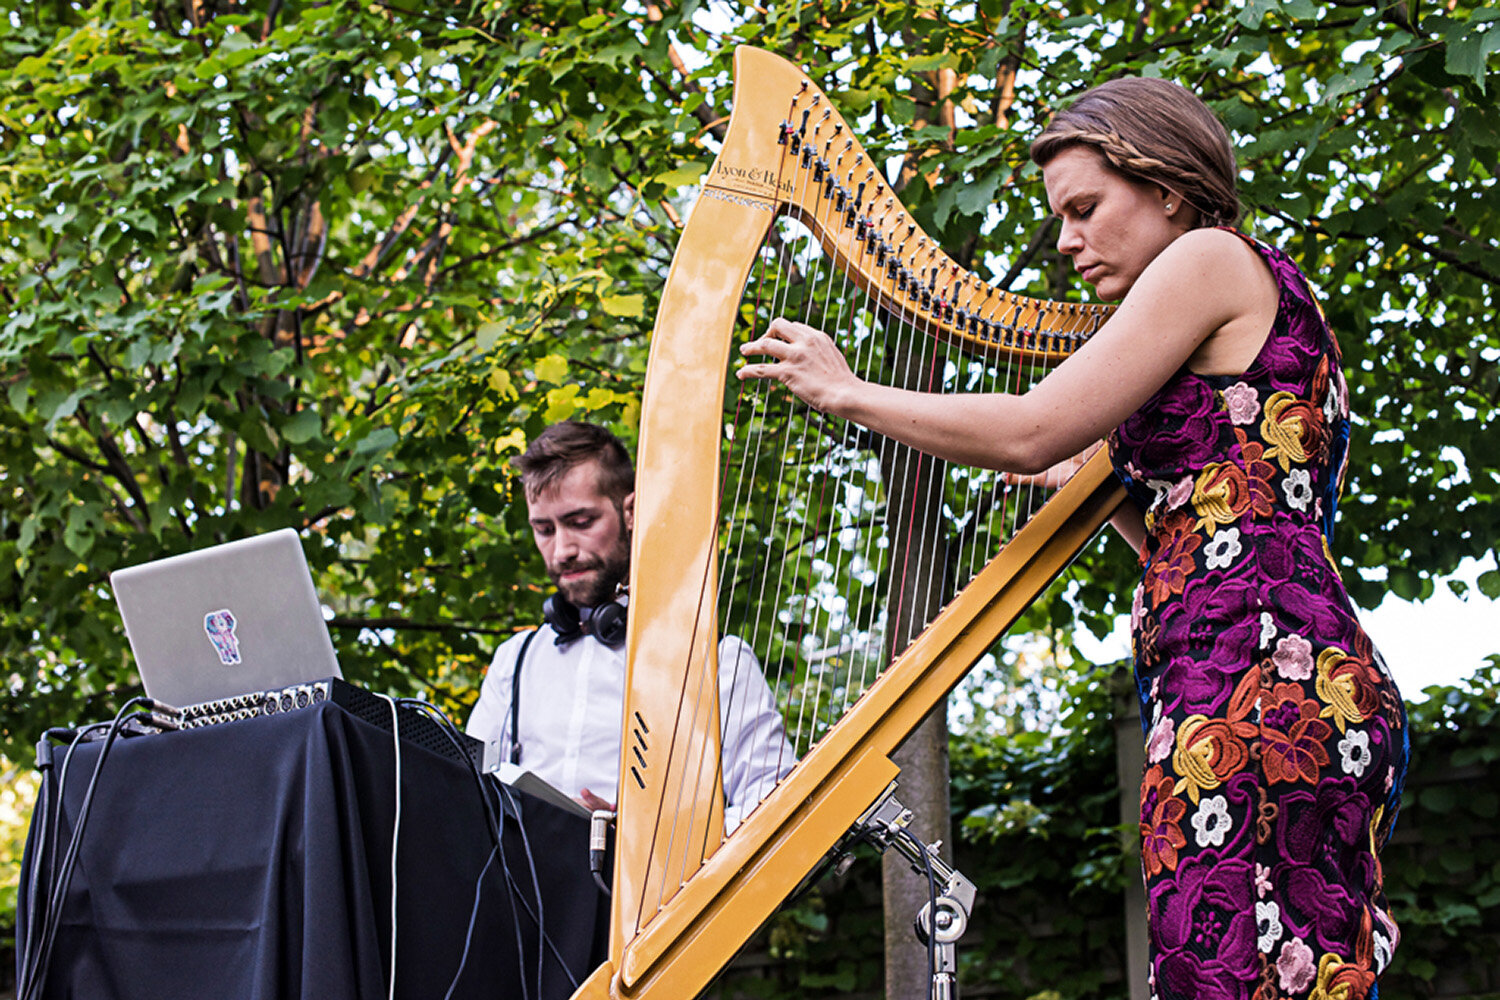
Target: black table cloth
253,859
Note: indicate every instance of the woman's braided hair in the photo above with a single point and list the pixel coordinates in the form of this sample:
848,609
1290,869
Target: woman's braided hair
1153,131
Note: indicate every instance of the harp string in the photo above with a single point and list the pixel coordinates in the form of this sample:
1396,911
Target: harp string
873,319
794,557
866,318
708,676
736,541
708,687
781,560
836,323
787,615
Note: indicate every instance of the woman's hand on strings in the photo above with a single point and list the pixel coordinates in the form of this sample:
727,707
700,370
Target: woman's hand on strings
804,360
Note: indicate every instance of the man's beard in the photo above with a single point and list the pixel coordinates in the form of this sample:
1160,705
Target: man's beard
602,582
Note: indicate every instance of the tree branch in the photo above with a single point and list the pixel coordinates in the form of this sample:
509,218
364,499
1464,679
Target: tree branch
413,625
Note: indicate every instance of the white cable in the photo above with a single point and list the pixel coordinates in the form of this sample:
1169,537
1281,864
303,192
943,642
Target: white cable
395,833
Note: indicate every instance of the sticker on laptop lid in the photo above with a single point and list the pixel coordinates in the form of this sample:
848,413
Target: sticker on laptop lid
220,628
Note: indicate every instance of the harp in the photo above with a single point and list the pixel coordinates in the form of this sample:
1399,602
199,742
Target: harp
686,896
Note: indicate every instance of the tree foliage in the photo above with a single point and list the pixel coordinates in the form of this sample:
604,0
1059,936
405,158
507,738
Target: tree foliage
328,264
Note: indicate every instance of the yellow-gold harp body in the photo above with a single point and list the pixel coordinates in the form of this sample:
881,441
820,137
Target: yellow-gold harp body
686,898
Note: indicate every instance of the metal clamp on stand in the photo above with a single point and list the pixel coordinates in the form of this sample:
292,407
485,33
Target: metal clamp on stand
945,917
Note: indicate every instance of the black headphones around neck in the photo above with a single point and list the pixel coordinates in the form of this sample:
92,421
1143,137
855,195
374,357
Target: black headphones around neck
605,623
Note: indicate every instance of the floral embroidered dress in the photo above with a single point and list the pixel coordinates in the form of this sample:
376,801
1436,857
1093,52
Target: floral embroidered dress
1276,741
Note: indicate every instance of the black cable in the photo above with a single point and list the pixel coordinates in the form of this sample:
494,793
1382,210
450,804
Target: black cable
931,933
511,893
504,790
37,933
41,846
449,729
33,883
496,820
64,872
495,825
536,886
473,918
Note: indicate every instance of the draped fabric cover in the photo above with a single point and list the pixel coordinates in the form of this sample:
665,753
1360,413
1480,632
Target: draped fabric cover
252,860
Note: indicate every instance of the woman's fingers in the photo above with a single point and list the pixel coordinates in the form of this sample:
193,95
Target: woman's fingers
767,346
781,339
756,371
803,359
789,329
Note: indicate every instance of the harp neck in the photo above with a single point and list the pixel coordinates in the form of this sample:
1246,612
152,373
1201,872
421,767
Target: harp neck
788,152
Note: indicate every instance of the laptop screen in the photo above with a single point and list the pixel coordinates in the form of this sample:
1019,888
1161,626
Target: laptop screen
226,620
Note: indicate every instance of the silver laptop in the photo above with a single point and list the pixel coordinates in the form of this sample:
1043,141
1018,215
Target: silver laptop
226,620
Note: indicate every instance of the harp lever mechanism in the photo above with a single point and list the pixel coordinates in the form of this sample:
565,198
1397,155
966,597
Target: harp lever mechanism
945,917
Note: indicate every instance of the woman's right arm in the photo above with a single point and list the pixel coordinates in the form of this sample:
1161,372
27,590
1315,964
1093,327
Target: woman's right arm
1130,525
1127,521
1156,329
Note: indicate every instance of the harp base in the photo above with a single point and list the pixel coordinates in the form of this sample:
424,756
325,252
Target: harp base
599,986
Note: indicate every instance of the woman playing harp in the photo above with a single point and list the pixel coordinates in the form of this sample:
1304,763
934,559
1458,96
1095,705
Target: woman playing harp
1276,740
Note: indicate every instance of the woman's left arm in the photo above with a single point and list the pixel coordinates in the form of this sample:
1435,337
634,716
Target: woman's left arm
1203,282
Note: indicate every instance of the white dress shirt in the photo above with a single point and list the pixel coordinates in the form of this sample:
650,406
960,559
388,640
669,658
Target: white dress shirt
571,701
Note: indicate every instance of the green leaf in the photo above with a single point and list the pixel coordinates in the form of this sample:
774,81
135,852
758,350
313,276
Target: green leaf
78,535
1343,83
56,407
302,428
553,368
18,394
1489,584
621,305
1405,583
931,61
501,384
1468,55
977,197
488,335
1253,12
562,403
375,443
1439,799
682,176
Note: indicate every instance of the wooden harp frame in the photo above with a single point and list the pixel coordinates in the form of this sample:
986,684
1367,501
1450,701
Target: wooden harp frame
680,910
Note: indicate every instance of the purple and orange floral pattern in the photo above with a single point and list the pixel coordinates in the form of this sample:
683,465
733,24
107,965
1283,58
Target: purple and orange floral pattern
1276,741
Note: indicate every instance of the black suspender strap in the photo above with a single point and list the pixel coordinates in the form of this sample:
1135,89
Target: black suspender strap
515,698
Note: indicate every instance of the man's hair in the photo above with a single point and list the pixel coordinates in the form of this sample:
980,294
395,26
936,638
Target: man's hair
566,445
1153,131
